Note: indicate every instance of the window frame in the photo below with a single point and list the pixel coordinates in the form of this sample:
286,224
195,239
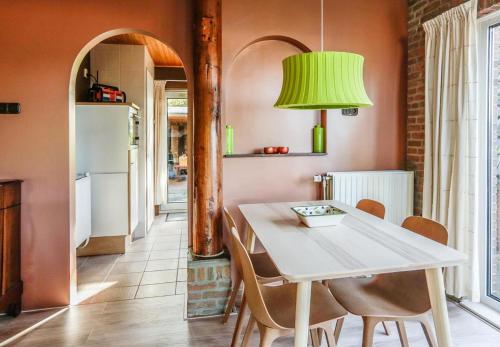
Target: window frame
484,100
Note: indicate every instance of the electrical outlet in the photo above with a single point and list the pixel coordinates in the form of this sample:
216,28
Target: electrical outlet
85,73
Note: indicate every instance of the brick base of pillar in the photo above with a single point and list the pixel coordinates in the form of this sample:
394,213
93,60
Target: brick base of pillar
208,287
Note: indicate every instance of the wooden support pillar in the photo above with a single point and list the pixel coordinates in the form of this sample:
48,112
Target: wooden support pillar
207,144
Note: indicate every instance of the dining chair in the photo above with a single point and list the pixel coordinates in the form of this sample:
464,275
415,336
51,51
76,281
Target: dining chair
266,273
399,297
272,308
372,207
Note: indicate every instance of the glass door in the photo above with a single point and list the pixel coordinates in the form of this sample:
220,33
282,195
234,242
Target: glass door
177,185
489,101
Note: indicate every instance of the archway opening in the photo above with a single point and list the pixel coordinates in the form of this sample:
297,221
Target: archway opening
129,157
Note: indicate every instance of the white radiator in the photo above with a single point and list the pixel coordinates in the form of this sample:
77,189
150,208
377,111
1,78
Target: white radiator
392,188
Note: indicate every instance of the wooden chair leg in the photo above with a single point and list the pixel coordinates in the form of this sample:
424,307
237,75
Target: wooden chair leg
403,338
338,329
386,328
330,336
267,336
426,326
314,337
320,335
232,299
368,330
248,331
238,326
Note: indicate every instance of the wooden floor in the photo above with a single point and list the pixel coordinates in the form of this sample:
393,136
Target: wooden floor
114,320
159,322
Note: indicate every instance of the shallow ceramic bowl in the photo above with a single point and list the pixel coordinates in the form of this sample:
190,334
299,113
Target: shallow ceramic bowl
319,215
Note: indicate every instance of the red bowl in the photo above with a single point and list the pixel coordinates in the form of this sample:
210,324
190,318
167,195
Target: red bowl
270,150
283,150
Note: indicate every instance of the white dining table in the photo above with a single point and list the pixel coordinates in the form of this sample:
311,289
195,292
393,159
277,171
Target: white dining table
360,245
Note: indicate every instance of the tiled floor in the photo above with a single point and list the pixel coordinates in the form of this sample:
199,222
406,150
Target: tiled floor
153,266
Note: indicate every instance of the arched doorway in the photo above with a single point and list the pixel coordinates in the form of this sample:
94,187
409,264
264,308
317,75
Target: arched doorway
114,59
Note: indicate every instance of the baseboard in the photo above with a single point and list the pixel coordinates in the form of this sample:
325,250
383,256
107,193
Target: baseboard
104,245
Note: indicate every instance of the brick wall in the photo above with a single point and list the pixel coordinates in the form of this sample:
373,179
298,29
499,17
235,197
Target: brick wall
209,285
419,11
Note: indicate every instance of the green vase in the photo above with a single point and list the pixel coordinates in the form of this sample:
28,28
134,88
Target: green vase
229,139
318,139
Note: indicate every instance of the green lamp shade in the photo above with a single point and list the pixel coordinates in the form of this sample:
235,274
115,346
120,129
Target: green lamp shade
323,80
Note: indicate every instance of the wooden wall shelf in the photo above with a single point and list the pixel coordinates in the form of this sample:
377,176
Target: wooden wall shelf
259,155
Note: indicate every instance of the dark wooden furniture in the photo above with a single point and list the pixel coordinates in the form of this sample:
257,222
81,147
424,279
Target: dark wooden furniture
10,247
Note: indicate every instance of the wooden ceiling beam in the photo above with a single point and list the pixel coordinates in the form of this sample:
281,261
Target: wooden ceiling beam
161,54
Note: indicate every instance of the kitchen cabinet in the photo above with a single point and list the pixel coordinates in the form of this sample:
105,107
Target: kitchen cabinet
110,205
127,67
133,172
83,207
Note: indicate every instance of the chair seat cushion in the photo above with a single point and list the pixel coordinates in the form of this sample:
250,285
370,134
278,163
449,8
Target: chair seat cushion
280,302
402,294
264,266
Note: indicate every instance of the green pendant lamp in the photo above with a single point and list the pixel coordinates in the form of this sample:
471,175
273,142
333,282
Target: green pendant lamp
323,80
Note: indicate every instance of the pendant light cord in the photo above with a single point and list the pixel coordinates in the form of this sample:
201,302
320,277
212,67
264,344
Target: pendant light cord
322,24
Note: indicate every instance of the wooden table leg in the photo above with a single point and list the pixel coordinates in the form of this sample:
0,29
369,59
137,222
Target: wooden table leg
435,285
302,313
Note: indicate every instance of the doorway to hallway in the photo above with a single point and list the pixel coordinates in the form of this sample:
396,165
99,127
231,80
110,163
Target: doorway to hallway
177,141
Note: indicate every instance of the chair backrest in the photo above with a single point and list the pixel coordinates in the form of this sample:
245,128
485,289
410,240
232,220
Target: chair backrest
410,287
427,227
230,221
372,207
253,291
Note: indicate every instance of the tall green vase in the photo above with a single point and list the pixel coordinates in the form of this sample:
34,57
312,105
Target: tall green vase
318,139
229,139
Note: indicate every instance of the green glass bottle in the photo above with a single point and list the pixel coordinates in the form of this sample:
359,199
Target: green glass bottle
318,139
229,139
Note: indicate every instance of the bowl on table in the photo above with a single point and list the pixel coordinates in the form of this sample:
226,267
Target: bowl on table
319,215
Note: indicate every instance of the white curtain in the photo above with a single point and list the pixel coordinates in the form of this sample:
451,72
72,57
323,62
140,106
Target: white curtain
161,143
451,157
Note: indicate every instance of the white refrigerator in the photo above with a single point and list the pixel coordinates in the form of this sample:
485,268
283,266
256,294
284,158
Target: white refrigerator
103,148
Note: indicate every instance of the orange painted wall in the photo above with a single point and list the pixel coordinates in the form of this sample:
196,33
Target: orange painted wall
40,40
374,140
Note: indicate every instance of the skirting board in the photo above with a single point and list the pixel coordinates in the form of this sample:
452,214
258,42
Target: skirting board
104,245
